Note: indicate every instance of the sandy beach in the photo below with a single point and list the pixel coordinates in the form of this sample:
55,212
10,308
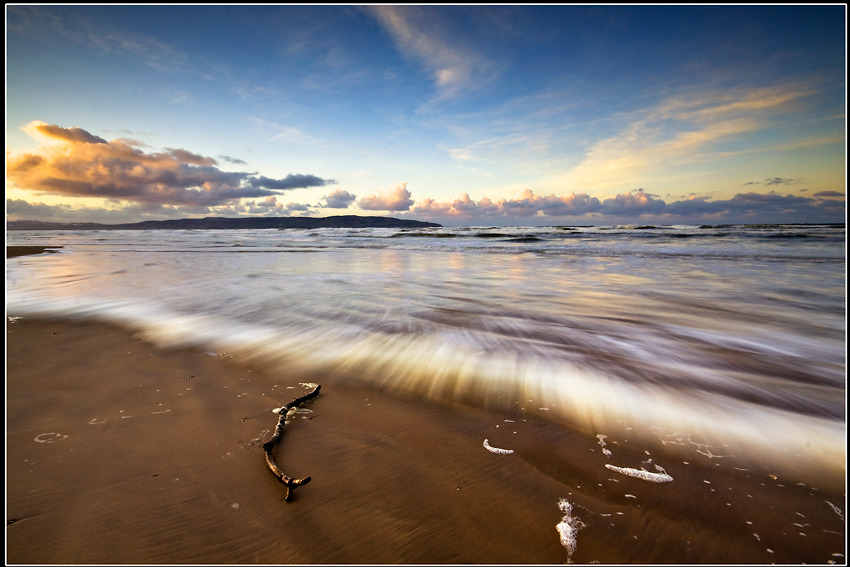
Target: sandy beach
119,452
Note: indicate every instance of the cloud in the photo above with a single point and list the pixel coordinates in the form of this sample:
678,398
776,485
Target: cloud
339,199
269,207
19,209
683,132
297,207
630,204
396,199
53,22
74,135
828,194
291,181
460,207
499,148
274,132
179,98
523,204
766,207
75,163
190,158
289,134
780,181
525,207
148,50
419,35
229,159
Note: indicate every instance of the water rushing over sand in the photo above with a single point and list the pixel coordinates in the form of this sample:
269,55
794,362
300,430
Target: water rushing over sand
681,390
726,341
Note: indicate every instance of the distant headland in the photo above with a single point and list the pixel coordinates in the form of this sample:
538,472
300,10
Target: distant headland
226,223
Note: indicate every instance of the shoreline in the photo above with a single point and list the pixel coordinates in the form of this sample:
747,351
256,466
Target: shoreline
122,452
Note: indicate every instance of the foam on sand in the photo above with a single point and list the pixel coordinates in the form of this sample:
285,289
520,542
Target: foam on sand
568,528
643,474
496,449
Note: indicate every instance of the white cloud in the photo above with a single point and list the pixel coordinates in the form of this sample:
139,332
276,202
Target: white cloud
418,34
339,199
680,132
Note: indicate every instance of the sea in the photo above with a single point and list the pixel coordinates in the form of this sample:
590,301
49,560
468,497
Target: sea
725,343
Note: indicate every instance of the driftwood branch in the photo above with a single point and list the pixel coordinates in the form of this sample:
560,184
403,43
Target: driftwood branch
290,483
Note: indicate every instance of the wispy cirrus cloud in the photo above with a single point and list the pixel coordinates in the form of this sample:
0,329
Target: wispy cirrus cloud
781,181
72,162
274,132
687,132
681,132
419,35
500,146
777,181
234,160
147,50
50,23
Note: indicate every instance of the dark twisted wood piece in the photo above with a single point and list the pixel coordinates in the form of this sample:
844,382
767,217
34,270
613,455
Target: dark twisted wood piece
289,482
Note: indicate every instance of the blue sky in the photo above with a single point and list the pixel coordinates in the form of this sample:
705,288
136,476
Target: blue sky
501,115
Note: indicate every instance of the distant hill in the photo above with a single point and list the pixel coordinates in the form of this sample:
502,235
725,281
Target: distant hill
343,221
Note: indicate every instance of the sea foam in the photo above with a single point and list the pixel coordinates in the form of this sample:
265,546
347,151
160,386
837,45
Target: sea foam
642,474
568,528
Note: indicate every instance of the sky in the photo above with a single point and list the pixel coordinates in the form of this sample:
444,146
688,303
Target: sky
461,115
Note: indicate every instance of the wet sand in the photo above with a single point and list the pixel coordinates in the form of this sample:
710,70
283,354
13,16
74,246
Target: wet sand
120,452
15,251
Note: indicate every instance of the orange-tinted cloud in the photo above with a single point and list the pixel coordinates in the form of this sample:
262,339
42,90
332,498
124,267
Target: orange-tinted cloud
396,199
633,205
72,162
523,204
76,135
